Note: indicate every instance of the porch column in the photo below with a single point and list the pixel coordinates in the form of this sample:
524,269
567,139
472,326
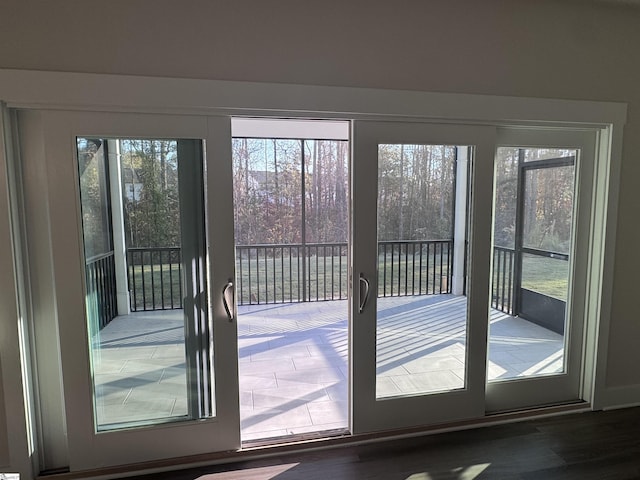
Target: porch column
117,225
460,221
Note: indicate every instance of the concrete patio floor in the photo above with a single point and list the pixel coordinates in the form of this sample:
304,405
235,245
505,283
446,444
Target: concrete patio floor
292,360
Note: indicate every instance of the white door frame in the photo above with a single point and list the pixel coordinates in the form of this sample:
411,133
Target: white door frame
22,89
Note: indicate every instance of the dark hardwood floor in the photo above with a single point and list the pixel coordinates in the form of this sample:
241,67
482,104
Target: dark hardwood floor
593,445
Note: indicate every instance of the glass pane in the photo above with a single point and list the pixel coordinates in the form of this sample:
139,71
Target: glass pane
138,244
531,261
422,308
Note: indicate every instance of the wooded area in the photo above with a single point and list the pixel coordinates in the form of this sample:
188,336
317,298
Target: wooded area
270,198
149,170
416,186
415,200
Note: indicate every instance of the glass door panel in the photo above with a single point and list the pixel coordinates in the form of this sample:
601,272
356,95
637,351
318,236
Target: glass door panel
143,328
535,229
535,327
418,315
145,367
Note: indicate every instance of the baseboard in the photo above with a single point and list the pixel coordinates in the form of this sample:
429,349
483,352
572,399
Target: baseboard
621,397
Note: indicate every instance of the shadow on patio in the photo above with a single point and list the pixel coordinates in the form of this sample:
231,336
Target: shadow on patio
293,360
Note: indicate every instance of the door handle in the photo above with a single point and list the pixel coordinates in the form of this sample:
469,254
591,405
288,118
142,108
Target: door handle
225,302
363,297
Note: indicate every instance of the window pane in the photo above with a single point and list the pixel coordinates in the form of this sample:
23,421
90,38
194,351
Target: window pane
422,309
533,231
139,356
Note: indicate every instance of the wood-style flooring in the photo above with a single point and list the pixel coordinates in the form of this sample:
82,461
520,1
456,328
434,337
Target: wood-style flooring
593,445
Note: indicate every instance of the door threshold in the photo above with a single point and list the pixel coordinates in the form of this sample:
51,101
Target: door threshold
295,439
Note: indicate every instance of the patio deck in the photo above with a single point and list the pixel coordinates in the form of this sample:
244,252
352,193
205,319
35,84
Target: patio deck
293,360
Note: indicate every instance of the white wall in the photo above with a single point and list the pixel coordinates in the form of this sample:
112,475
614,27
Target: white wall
574,49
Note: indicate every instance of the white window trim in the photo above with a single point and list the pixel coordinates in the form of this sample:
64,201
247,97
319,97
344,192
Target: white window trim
23,89
120,93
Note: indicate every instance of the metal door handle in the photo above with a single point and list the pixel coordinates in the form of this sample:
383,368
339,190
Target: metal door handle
225,303
363,297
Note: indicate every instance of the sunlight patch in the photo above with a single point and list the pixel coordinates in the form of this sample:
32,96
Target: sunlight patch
463,473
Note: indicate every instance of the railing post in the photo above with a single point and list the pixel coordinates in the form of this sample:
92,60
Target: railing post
303,232
117,226
460,221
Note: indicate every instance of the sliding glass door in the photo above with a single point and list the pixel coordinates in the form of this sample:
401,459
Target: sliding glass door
541,222
460,268
140,212
422,197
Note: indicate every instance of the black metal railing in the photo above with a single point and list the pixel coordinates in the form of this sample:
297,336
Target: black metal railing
289,273
155,278
502,293
415,267
100,272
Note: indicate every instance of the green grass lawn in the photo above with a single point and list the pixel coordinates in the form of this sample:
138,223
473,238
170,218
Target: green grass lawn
281,279
548,276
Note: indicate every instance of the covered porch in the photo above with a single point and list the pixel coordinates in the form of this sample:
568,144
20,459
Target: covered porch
293,360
